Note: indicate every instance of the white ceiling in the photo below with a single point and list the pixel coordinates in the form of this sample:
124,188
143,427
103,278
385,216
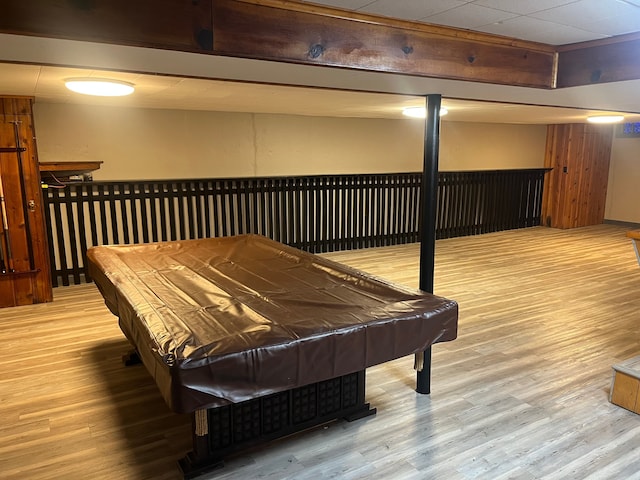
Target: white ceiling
554,22
46,84
177,80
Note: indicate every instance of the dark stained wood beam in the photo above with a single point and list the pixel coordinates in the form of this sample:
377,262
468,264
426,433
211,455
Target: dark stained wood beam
290,31
168,24
293,32
610,60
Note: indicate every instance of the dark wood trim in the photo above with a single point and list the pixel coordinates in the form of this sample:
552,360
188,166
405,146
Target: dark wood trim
223,431
184,25
287,31
374,19
290,32
602,61
281,33
82,166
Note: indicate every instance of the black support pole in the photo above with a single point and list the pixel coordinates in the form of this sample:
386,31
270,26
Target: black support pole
428,206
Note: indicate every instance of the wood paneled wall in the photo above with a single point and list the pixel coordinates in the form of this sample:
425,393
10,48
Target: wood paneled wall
576,187
23,240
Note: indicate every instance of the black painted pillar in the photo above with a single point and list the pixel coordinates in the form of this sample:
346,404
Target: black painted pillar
429,190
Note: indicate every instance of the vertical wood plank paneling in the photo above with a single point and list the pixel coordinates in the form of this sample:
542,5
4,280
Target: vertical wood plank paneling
576,187
28,281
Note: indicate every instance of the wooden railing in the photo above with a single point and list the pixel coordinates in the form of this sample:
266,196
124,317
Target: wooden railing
314,213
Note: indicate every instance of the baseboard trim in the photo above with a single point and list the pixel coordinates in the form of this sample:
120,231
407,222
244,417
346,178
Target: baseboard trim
631,225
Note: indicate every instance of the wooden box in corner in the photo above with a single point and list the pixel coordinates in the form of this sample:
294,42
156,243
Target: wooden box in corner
625,385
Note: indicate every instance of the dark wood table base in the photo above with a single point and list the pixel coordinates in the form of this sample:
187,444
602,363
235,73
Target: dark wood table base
221,431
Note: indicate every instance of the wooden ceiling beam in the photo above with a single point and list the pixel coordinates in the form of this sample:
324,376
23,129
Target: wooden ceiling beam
293,32
600,61
290,31
165,24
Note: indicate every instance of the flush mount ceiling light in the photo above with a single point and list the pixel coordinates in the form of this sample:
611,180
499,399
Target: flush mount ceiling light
421,112
605,119
101,87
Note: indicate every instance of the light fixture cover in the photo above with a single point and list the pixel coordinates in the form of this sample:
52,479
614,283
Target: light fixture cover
421,112
102,87
605,118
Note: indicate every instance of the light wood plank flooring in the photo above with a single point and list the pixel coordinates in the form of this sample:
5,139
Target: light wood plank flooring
522,393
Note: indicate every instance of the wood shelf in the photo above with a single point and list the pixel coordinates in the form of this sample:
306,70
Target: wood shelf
69,168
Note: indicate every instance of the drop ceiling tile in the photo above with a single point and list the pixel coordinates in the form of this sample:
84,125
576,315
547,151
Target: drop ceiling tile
16,79
616,25
536,30
51,79
413,9
469,16
522,7
586,12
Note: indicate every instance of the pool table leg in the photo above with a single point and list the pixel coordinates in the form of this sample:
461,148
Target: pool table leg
222,431
423,381
131,358
199,460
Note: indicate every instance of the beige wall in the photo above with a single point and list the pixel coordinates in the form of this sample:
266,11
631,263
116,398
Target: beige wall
623,203
145,143
490,146
160,144
289,144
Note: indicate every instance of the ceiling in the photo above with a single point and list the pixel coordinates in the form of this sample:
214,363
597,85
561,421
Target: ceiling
46,84
177,80
554,22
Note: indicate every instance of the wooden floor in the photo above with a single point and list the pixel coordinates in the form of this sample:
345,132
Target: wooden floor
522,393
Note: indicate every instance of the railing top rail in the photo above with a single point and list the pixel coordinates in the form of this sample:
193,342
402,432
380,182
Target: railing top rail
299,177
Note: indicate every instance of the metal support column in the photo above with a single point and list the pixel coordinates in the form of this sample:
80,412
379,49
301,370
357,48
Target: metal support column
428,206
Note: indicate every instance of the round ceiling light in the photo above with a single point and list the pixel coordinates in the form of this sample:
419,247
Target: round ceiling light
421,112
605,119
101,87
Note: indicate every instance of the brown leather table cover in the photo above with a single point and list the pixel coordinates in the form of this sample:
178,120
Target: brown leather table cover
223,320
